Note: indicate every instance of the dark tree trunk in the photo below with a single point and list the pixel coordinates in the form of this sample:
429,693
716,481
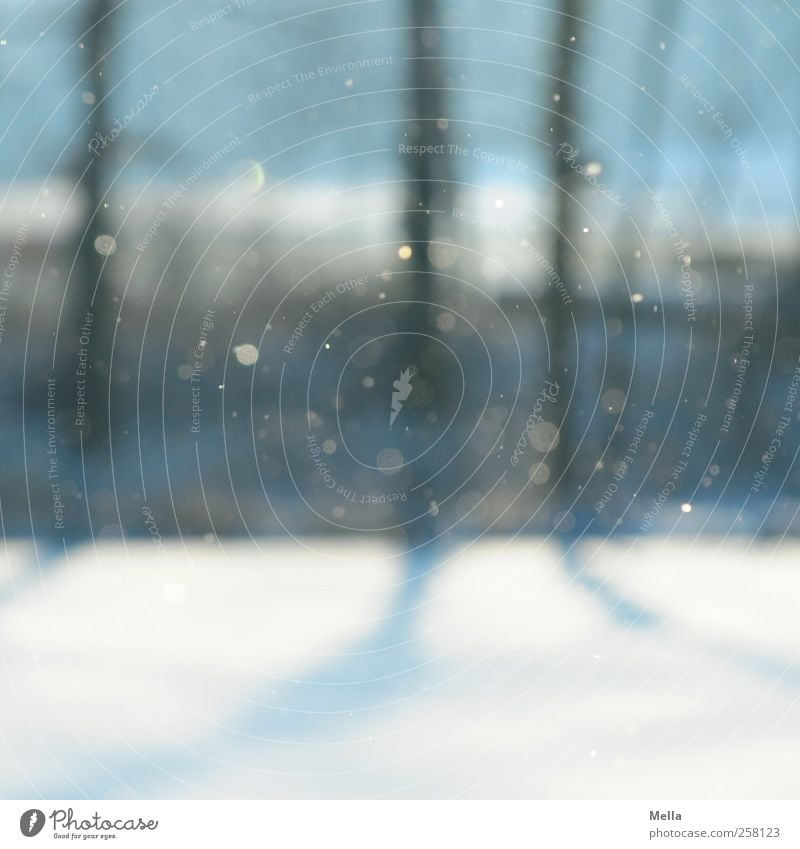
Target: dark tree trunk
427,190
560,318
92,288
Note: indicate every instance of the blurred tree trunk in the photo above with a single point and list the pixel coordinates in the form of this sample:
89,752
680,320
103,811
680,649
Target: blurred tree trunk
87,313
559,317
93,290
428,189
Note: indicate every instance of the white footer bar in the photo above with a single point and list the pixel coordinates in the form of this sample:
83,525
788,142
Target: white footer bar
402,824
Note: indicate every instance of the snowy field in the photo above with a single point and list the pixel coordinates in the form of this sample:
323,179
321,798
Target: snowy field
330,668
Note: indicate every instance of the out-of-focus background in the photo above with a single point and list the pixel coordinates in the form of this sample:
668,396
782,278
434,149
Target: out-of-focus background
399,398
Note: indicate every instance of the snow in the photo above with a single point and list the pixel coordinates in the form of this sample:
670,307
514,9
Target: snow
335,668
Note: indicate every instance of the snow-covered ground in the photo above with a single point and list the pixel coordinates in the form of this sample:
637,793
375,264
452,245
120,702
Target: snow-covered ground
338,668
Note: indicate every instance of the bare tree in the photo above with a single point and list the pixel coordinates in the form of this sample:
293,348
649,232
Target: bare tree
90,291
427,190
560,321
